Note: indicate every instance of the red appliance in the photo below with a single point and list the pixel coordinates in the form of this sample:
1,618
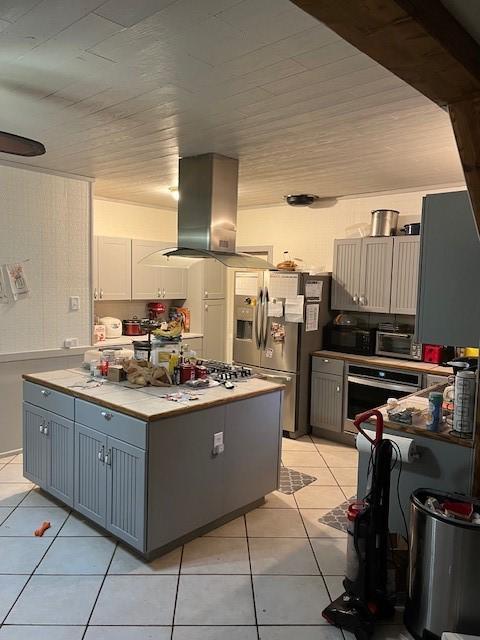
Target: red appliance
132,327
437,353
156,310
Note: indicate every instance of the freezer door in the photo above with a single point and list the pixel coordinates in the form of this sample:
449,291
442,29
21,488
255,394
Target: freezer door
247,319
289,395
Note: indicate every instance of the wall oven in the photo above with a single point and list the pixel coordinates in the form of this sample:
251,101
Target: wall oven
370,387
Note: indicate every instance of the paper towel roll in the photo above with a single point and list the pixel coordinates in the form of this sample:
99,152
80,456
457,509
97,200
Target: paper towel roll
406,445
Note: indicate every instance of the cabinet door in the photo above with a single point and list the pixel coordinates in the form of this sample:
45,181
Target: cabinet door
214,330
406,258
174,282
326,401
126,492
214,280
376,275
35,444
253,431
346,274
448,302
95,285
146,280
60,459
114,268
90,473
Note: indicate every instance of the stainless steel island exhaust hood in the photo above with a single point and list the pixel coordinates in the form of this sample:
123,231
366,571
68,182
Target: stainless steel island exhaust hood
207,213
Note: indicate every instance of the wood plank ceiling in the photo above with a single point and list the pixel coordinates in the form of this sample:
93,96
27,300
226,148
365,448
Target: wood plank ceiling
117,90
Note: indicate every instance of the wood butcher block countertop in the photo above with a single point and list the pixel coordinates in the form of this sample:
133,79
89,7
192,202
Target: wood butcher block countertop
146,403
392,363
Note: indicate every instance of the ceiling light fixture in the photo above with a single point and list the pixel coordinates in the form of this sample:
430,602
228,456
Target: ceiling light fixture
174,192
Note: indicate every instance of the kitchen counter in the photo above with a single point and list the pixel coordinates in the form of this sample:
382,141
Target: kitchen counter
392,363
146,403
152,472
127,340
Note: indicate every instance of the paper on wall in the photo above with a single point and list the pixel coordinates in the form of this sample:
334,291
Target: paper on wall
246,284
311,317
294,309
275,309
314,289
283,285
17,280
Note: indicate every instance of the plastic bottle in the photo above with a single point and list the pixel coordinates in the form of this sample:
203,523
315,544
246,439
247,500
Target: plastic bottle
434,419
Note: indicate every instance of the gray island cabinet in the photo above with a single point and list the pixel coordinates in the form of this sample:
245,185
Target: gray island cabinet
145,468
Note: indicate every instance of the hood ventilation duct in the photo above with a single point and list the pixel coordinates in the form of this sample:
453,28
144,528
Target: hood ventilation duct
207,213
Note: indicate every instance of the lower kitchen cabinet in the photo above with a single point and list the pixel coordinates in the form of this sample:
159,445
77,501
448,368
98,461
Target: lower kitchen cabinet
326,404
110,484
48,451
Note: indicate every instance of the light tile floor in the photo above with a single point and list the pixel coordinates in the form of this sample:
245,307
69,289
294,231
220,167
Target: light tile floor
265,576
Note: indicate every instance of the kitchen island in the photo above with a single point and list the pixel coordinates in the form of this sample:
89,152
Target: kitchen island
153,471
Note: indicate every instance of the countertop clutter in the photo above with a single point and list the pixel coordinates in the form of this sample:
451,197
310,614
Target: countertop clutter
395,363
147,403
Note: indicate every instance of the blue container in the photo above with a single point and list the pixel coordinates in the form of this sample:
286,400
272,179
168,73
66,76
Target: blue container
434,420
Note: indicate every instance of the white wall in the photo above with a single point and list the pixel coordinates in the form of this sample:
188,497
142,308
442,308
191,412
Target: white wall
308,233
129,220
45,219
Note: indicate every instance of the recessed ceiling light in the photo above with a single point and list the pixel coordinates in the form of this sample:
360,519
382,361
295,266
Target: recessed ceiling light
174,192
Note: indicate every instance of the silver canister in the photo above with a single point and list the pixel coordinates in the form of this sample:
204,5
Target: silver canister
384,222
464,407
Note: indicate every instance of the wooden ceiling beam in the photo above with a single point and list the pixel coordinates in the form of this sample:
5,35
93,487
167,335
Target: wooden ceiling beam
417,40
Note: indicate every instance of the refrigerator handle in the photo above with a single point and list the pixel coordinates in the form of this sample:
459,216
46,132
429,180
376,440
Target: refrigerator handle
266,298
257,327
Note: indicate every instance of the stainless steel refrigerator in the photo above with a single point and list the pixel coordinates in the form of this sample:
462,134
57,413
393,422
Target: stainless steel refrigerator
278,322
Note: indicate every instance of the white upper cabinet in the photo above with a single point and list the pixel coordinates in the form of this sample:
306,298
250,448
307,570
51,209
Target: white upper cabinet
346,274
214,322
405,273
150,282
376,275
112,263
214,280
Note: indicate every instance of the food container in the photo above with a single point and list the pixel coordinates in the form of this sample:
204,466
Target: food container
113,327
187,372
412,229
384,222
132,327
201,372
142,349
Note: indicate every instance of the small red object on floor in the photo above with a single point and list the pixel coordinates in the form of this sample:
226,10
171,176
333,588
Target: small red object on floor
41,530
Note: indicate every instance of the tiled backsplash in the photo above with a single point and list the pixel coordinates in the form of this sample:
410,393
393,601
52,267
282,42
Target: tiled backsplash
125,309
372,320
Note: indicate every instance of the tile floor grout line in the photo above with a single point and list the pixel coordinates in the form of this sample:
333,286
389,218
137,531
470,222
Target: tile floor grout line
251,577
176,591
53,538
99,590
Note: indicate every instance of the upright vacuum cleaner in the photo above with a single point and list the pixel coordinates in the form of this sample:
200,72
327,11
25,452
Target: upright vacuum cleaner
366,600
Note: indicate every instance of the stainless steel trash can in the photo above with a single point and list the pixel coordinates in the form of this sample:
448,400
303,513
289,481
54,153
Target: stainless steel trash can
444,572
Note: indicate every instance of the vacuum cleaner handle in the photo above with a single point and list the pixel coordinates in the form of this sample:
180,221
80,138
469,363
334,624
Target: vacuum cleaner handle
363,417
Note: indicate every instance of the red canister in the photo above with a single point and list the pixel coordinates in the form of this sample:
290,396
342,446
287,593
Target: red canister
187,372
201,372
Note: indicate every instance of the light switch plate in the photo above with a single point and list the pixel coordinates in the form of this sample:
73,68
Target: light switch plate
74,303
70,343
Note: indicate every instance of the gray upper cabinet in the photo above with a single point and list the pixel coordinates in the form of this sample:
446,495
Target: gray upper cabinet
125,491
90,474
406,262
376,275
448,300
326,402
346,274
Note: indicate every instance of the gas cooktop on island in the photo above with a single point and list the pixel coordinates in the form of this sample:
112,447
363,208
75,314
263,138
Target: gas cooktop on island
222,371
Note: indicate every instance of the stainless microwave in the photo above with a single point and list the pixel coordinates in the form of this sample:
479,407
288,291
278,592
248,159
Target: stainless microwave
397,345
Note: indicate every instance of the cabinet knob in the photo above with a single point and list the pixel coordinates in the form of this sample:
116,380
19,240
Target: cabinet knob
355,298
206,307
45,430
95,294
107,415
338,389
206,294
40,428
363,300
100,455
101,293
45,393
326,360
164,293
108,458
159,295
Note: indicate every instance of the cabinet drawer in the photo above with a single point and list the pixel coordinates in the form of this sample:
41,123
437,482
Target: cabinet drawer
111,423
328,365
54,401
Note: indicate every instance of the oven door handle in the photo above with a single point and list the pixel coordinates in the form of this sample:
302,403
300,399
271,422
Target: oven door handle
383,385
